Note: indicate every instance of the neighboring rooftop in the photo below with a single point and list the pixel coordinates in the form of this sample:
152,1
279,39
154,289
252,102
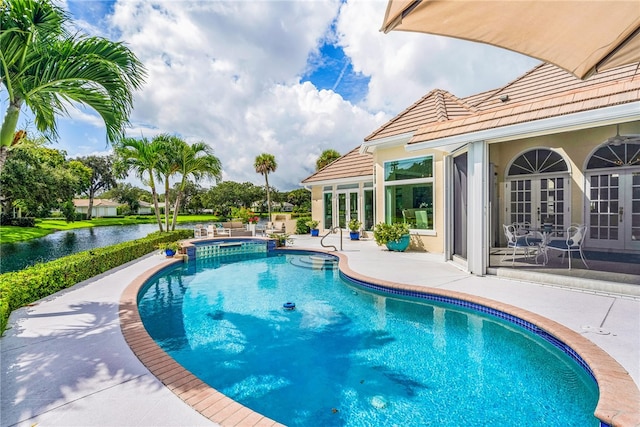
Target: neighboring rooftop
96,203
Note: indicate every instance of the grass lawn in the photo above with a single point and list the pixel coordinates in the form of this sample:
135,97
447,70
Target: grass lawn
10,234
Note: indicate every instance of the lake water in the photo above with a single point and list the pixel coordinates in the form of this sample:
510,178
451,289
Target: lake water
16,256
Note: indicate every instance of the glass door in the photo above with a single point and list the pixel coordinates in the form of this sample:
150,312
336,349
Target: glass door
342,210
347,207
537,201
614,209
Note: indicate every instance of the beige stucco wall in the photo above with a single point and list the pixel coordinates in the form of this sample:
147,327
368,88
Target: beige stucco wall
433,242
316,206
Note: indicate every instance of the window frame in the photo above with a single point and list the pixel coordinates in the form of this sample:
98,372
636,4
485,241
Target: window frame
425,181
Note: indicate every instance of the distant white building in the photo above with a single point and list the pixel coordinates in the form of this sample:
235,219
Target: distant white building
101,207
145,208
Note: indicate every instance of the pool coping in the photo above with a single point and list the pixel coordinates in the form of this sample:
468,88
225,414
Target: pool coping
617,403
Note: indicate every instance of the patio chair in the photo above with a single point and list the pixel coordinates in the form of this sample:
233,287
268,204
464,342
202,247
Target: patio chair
217,230
275,228
573,243
515,242
422,221
199,231
522,228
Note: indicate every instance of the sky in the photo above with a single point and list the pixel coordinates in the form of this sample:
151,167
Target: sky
287,77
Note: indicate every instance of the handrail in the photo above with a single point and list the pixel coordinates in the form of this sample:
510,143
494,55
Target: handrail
332,246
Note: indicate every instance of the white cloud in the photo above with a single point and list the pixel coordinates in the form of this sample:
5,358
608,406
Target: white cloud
228,73
405,66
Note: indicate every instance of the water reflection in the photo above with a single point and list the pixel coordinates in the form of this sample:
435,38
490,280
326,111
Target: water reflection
16,256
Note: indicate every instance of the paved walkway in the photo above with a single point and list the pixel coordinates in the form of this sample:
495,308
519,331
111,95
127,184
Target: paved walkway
64,361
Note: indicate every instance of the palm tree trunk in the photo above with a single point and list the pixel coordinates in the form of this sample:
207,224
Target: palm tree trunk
266,179
154,193
177,205
167,208
8,130
175,212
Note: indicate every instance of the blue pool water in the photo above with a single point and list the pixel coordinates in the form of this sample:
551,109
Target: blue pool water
347,356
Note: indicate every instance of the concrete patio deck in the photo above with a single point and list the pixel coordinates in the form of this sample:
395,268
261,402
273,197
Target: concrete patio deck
64,360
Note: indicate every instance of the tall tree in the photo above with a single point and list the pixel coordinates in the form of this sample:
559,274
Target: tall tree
264,164
142,157
196,161
38,179
44,67
102,177
327,156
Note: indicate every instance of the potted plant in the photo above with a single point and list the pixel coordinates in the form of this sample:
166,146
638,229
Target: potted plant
169,248
313,226
280,238
395,236
354,229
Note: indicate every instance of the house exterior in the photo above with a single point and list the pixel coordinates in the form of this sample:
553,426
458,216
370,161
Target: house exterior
145,208
100,208
343,190
547,148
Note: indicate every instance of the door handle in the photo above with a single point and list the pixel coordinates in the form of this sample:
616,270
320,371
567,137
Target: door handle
620,213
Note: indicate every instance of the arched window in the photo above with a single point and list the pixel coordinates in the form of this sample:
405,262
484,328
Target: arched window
540,160
610,156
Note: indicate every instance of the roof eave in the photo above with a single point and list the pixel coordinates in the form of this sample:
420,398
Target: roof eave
337,181
369,147
566,123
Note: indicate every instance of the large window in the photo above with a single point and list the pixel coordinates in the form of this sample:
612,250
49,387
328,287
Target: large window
409,192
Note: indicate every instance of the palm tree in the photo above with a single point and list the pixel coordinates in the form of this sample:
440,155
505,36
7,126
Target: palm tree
43,67
168,166
142,156
196,160
326,157
264,164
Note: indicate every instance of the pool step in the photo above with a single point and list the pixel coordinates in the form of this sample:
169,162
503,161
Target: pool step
315,262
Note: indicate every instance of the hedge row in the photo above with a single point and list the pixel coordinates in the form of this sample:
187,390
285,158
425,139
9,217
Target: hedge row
20,288
25,221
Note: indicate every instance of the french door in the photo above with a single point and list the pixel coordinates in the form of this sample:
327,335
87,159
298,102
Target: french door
347,207
538,200
613,207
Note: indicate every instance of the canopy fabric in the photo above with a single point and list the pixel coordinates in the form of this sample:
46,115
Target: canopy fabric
582,37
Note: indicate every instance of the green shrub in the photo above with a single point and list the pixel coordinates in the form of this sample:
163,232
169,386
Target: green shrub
20,288
301,225
26,221
383,233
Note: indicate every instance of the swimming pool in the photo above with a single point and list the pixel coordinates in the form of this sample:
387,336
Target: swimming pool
351,356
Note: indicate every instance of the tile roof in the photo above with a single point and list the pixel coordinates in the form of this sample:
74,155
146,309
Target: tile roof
351,165
545,91
436,106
